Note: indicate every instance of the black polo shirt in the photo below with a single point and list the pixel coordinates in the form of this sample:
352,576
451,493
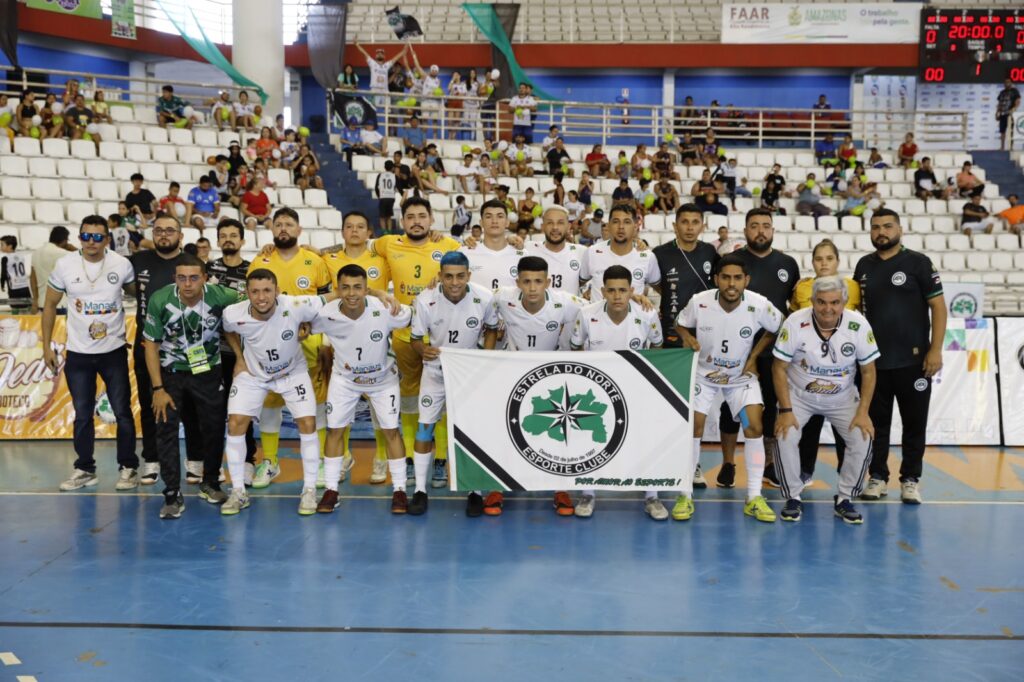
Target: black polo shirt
895,295
232,276
774,276
151,273
683,274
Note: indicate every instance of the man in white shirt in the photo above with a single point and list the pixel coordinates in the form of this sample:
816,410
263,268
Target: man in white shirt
455,314
372,141
45,259
359,330
519,157
614,324
816,358
493,263
721,325
620,250
564,259
94,281
469,175
380,68
549,141
523,105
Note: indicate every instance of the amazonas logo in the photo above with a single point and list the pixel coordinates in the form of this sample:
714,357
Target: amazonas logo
567,418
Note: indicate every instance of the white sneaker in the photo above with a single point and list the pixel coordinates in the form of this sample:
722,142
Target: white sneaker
585,507
321,477
193,472
307,501
698,478
79,479
910,492
380,471
237,501
127,479
655,509
265,473
250,471
875,490
149,472
347,462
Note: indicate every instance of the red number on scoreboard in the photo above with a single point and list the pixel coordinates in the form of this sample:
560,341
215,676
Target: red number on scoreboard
934,74
1017,75
930,37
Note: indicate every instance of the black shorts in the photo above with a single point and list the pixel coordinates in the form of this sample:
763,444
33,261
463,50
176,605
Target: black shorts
386,208
1004,123
688,155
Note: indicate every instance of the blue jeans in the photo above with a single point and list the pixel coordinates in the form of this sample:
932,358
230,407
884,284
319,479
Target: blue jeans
80,371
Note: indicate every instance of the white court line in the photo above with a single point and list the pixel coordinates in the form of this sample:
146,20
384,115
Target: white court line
27,678
8,658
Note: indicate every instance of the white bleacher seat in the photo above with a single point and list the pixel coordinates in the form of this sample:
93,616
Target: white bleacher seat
330,218
291,196
438,202
106,190
145,115
361,162
189,235
113,151
130,133
51,212
79,209
280,176
934,243
736,222
159,189
984,242
46,188
17,211
895,204
136,151
179,173
263,238
121,114
107,131
26,146
1007,242
899,190
978,261
843,242
204,137
34,237
744,204
74,189
321,239
782,223
316,198
70,168
828,223
921,223
179,136
153,171
15,188
715,221
307,217
781,241
914,207
99,169
803,223
851,223
156,135
164,153
189,154
56,147
271,195
936,207
1002,261
944,224
5,144
83,149
655,222
958,242
915,242
229,212
106,207
13,165
863,242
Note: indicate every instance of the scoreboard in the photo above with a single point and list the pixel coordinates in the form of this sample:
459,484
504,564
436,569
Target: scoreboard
971,45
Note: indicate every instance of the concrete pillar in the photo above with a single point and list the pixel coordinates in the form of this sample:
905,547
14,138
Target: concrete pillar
137,69
258,49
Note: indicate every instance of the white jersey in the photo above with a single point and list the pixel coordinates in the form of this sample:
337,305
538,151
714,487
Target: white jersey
95,300
493,269
271,348
564,266
430,85
378,73
726,338
247,109
825,367
595,330
386,183
513,153
643,265
521,114
470,173
549,329
452,325
361,346
19,270
120,240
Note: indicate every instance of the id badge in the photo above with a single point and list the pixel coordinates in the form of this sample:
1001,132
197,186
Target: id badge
198,361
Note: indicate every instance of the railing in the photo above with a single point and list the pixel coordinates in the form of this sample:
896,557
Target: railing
615,123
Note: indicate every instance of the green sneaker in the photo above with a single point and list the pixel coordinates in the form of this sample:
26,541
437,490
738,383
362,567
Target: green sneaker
682,510
265,473
759,509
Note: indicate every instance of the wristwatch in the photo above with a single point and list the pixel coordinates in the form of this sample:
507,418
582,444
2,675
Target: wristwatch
784,410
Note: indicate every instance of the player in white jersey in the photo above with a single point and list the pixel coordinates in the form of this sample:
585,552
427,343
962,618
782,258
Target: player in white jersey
564,259
493,262
455,314
263,332
620,250
380,68
816,359
721,325
536,319
616,323
359,330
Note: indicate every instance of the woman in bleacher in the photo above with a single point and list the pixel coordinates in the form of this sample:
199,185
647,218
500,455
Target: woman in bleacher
255,205
306,169
26,110
100,108
597,162
266,146
51,128
425,175
847,152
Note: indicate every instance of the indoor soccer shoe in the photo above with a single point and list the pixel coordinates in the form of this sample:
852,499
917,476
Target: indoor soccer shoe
474,505
655,509
726,475
79,479
699,481
769,478
418,504
585,507
127,479
149,472
237,501
875,490
193,472
173,508
380,471
793,510
440,477
682,510
563,504
847,512
212,495
328,503
265,473
910,492
347,462
759,509
493,503
399,502
307,502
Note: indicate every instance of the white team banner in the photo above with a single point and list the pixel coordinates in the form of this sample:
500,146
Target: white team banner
820,22
1011,377
964,299
568,421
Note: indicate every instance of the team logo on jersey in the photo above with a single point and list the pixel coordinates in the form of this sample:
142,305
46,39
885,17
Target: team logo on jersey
638,274
472,322
287,335
635,344
373,273
234,391
921,385
112,278
820,387
436,255
898,279
302,282
376,335
746,332
567,418
210,322
426,401
574,265
783,275
707,267
848,349
551,326
329,407
514,271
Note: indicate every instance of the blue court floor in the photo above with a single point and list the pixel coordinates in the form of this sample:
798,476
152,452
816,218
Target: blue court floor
94,586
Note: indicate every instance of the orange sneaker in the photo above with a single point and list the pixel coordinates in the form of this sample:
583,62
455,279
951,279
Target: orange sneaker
493,503
563,504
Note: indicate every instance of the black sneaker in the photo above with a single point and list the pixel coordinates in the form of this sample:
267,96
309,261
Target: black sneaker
474,505
418,504
173,507
726,476
769,477
212,495
847,512
793,510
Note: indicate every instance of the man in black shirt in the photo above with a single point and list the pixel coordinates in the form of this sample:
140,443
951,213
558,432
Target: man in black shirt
898,289
926,185
557,157
230,271
774,275
1006,103
144,200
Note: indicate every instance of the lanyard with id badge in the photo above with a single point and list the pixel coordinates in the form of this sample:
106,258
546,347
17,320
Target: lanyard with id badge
195,352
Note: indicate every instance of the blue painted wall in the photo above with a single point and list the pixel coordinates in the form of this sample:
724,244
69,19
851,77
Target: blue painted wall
793,91
32,56
312,99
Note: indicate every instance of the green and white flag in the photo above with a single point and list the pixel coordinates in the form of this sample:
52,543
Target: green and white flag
122,19
568,421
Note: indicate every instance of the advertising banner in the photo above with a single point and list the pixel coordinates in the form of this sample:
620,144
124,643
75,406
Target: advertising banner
1011,377
122,19
80,8
964,299
820,22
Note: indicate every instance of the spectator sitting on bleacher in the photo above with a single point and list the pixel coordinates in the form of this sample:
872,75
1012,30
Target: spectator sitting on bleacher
173,110
425,175
835,183
414,138
549,141
519,156
245,113
558,191
575,209
689,150
725,176
100,108
347,79
967,183
501,194
266,145
705,193
825,151
622,194
875,159
663,163
255,205
220,176
141,199
585,190
770,194
528,212
124,237
926,185
434,160
847,152
808,201
859,198
975,217
622,168
668,196
725,244
523,106
461,218
203,205
279,131
52,123
488,174
822,103
597,163
289,148
71,91
223,111
373,143
907,151
235,158
468,175
640,162
1013,217
306,169
14,278
710,149
203,247
558,159
351,140
742,190
26,112
645,199
173,203
687,117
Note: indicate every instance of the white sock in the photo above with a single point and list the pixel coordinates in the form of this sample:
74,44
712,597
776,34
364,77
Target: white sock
234,448
686,490
753,454
589,491
649,494
421,462
397,468
696,454
309,450
332,472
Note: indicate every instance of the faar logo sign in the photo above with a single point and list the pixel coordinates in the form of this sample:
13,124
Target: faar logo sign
567,418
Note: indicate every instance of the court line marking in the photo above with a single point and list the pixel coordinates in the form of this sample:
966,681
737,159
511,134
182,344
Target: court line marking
603,499
8,658
27,678
491,632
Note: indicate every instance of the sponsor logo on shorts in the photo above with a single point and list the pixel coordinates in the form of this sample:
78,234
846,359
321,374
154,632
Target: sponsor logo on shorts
551,326
921,385
848,349
899,279
426,401
746,332
376,335
820,387
287,335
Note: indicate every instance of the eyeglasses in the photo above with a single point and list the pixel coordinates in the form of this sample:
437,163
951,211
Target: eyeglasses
91,237
165,230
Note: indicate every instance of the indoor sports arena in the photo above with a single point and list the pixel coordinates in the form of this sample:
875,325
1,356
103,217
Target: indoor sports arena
674,341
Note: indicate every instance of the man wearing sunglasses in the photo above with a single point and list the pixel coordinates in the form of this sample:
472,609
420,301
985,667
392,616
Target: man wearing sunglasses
94,280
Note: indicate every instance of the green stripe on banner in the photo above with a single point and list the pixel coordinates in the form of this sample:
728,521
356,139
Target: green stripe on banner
469,475
675,364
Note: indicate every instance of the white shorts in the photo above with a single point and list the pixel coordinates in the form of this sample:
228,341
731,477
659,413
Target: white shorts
343,397
208,221
431,399
736,395
248,393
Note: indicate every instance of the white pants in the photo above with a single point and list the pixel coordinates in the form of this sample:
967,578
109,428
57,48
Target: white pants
343,397
981,225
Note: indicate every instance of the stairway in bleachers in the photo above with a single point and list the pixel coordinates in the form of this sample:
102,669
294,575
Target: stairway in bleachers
345,191
1000,169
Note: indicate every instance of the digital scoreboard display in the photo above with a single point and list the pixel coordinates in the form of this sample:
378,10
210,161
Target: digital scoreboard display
971,45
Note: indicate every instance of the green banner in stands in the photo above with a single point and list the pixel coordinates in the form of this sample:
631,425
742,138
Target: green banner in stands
122,19
487,21
80,8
